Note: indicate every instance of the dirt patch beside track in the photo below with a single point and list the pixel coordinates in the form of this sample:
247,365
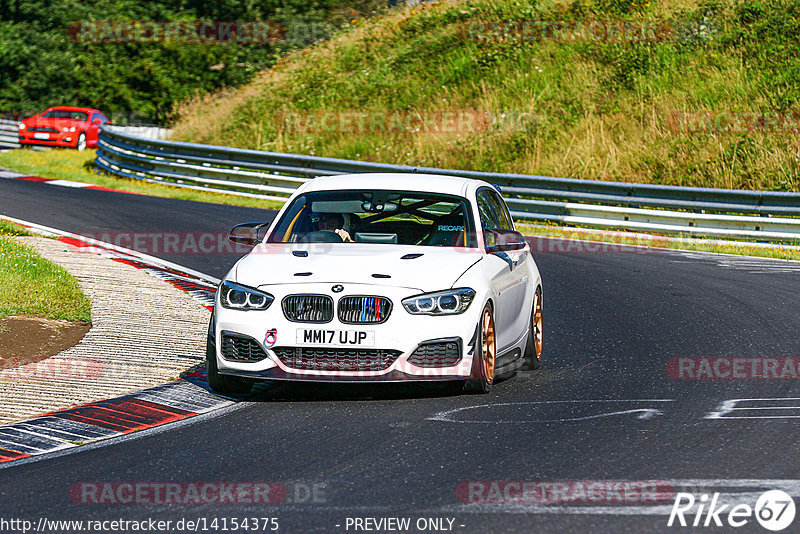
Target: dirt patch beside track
26,340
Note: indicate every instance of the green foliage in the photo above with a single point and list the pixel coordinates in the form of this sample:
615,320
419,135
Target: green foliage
43,66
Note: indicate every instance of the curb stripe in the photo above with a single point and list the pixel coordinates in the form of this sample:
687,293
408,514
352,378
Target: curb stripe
22,449
183,398
62,429
173,401
62,183
7,455
124,415
37,441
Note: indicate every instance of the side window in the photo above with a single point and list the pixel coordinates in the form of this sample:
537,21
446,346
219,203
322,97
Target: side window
295,222
500,209
485,211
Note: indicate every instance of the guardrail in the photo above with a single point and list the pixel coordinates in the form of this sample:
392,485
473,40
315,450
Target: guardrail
9,134
756,215
144,131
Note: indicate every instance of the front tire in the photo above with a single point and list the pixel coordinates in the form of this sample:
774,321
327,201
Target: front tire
225,384
533,347
483,360
80,145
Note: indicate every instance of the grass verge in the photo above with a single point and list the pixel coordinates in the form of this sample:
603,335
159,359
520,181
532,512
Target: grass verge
657,241
10,229
31,285
77,166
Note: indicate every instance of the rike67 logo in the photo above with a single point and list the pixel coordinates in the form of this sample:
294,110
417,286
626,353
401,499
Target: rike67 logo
774,510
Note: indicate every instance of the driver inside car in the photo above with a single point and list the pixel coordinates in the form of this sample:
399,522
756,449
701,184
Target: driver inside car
334,222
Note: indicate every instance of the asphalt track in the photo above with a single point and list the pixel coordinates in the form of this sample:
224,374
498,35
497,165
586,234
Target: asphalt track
602,408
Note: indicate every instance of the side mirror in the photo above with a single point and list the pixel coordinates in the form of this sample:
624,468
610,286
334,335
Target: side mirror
97,121
498,240
247,233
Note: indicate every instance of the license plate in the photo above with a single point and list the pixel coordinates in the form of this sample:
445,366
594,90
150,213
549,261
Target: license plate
337,338
41,136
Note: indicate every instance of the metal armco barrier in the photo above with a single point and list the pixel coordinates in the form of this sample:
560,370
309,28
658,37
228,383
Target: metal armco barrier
9,134
144,131
694,211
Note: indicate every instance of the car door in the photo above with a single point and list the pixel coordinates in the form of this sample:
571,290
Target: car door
519,294
509,272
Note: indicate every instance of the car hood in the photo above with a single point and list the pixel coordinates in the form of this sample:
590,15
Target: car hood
51,123
424,269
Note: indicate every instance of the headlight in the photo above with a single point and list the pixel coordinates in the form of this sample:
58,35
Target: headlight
449,302
72,129
22,126
68,129
238,297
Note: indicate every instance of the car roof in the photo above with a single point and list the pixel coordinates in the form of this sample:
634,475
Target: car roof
72,108
429,183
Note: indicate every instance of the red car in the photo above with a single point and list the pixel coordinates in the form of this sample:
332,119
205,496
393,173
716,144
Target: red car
64,126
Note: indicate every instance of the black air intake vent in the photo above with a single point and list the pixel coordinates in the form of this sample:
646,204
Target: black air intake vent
308,308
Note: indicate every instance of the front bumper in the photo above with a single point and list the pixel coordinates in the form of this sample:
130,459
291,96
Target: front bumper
69,140
279,373
401,332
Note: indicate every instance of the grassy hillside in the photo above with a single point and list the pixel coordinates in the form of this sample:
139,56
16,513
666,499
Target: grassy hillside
655,107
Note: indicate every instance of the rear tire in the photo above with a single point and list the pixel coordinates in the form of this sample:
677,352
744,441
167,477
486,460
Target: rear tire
485,352
225,384
533,347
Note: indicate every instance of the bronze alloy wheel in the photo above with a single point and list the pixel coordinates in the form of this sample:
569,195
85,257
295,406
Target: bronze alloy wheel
488,346
485,352
537,324
534,344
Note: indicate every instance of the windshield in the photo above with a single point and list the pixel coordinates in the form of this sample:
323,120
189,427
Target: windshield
65,114
380,217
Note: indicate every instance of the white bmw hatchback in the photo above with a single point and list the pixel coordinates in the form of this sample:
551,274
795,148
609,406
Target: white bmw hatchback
379,277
